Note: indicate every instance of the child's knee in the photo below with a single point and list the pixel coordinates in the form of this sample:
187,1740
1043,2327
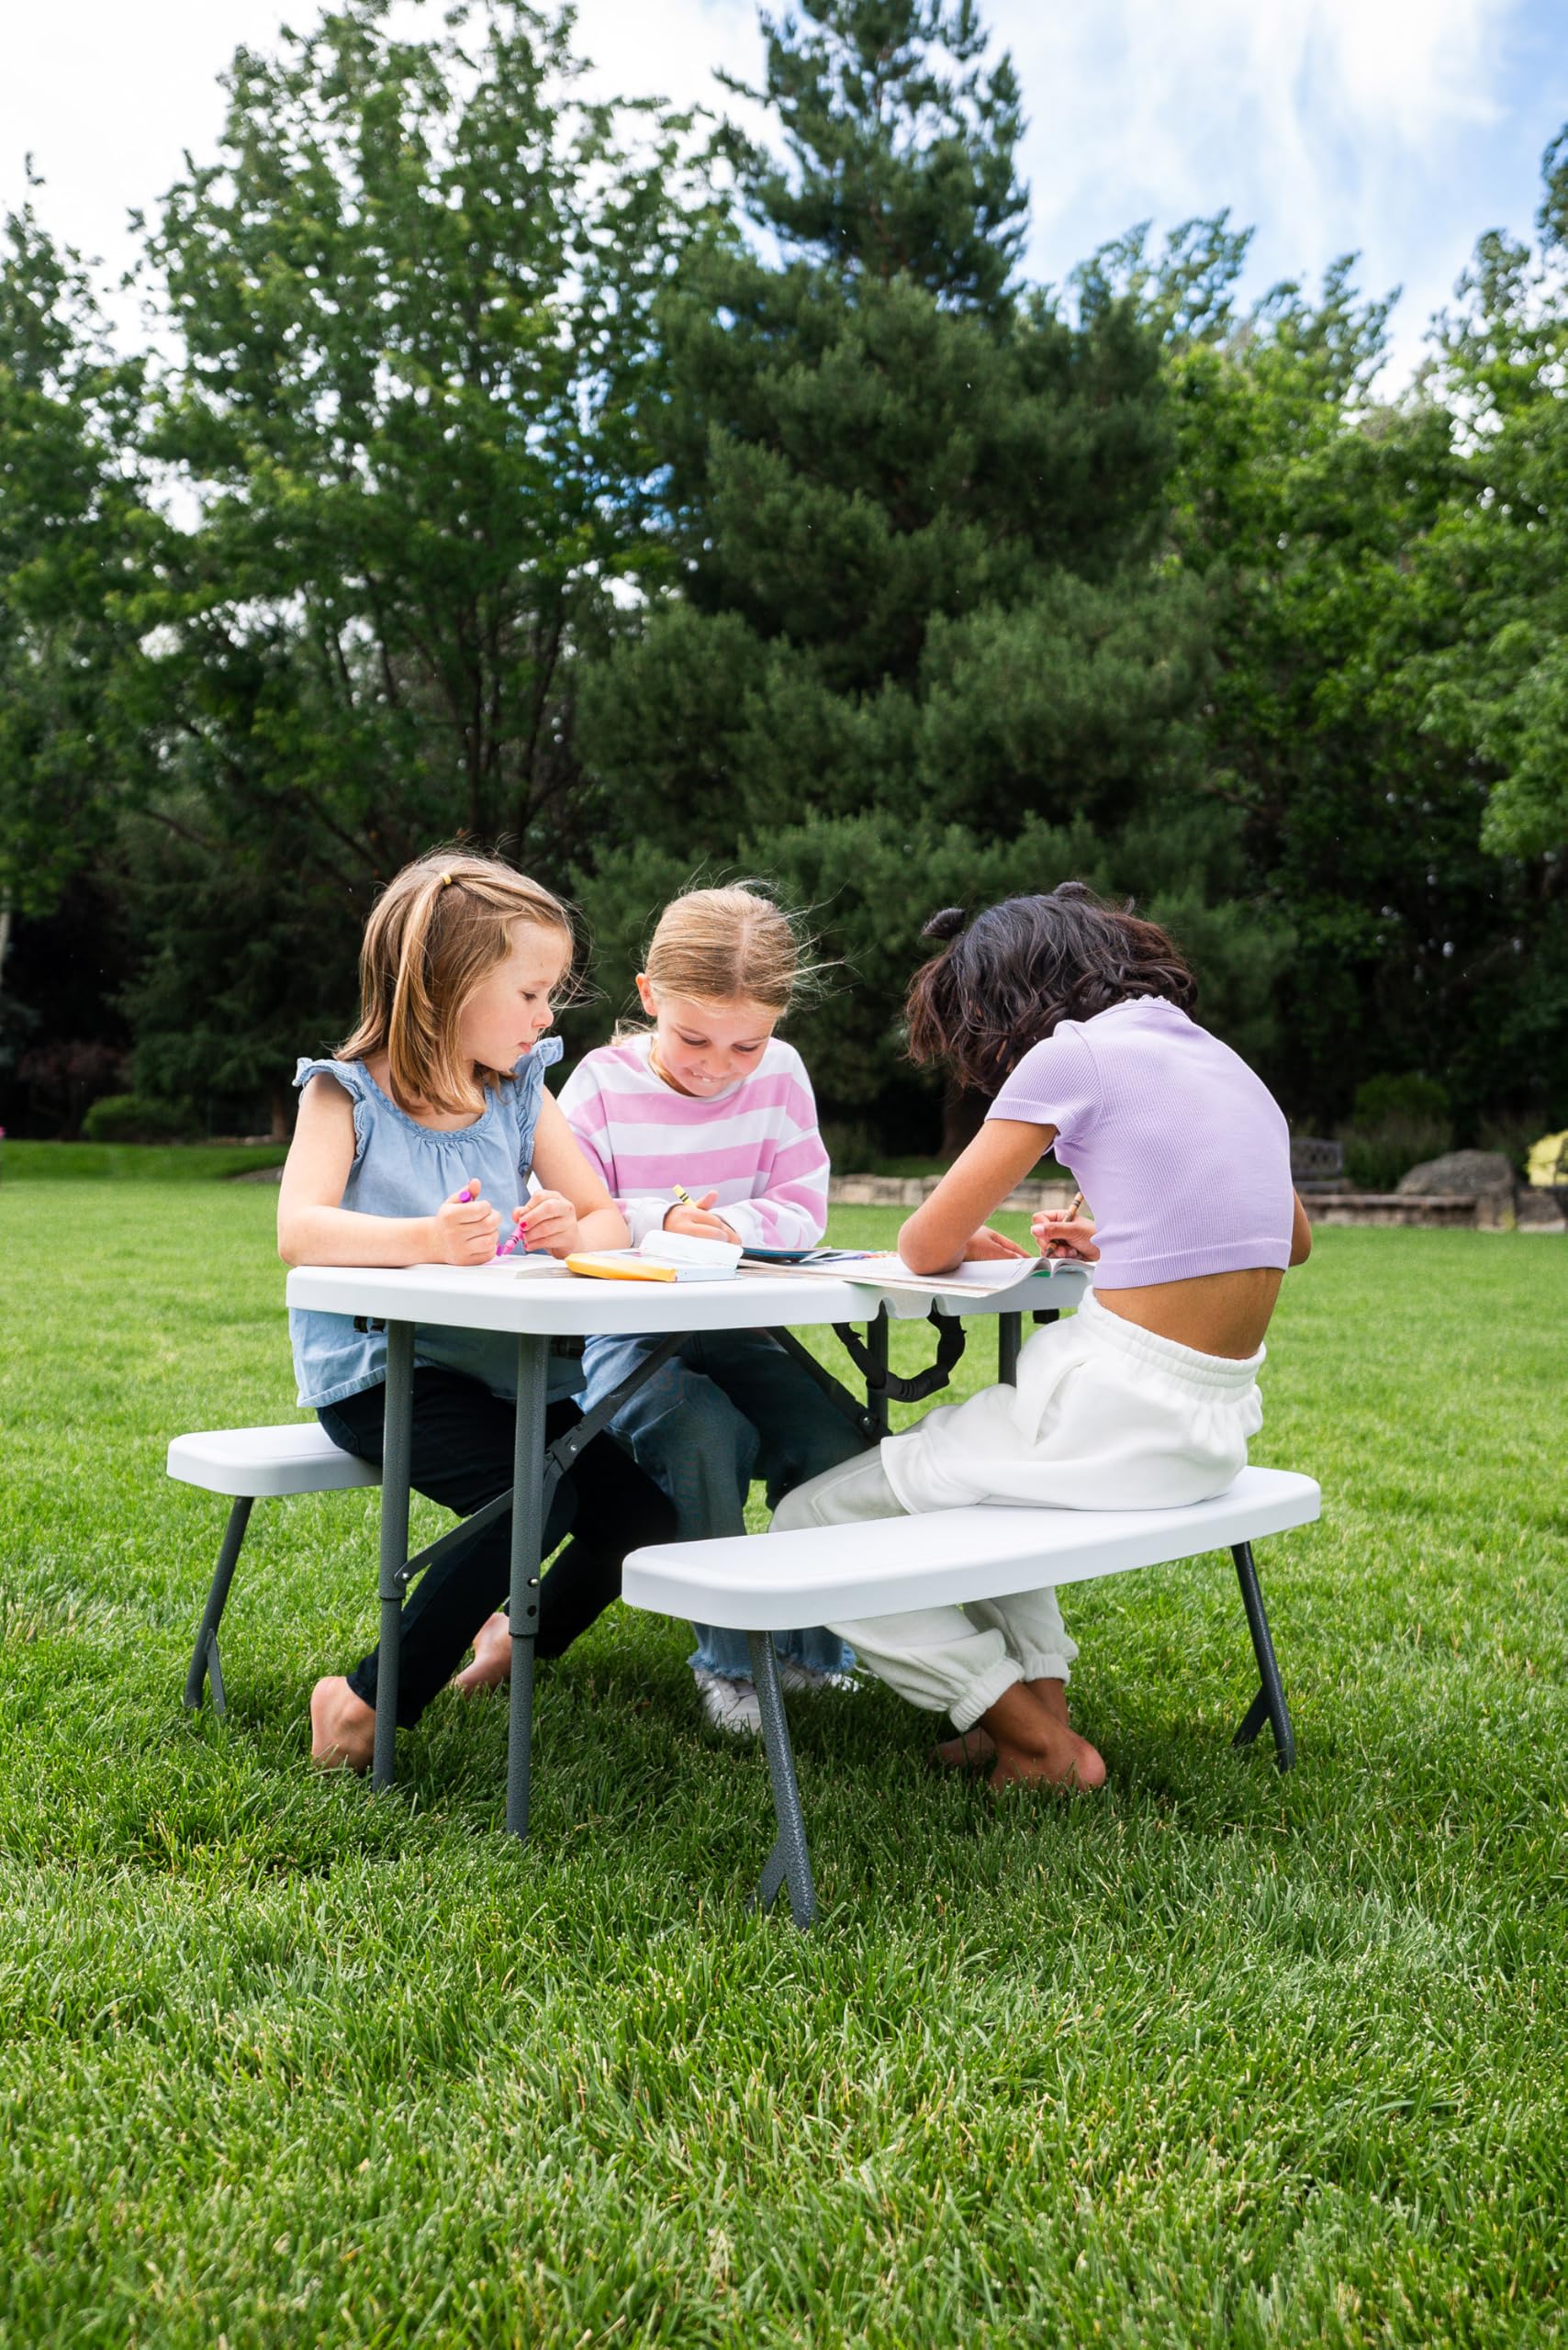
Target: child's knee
691,1415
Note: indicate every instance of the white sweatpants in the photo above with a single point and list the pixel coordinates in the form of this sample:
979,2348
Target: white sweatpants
1105,1416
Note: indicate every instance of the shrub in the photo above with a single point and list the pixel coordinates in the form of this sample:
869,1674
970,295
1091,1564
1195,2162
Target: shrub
852,1146
1379,1153
129,1117
1412,1096
1548,1160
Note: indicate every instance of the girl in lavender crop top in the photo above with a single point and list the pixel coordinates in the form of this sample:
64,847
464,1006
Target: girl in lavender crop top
1075,1016
1182,1153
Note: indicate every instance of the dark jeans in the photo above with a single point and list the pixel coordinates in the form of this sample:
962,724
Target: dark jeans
461,1457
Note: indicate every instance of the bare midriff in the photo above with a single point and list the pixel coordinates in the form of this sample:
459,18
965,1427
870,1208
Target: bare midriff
1216,1313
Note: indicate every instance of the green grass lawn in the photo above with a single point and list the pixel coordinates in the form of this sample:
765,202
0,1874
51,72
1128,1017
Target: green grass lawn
1215,2057
117,1162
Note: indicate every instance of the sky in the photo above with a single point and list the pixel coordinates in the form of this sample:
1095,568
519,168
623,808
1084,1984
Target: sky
1396,128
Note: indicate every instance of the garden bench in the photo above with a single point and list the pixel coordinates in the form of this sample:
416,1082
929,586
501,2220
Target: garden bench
766,1583
252,1465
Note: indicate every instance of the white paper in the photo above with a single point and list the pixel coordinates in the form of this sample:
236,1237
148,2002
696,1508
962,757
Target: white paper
985,1275
692,1254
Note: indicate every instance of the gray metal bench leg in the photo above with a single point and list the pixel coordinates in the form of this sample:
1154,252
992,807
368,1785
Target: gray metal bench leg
1268,1705
788,1863
1009,1340
397,1446
205,1659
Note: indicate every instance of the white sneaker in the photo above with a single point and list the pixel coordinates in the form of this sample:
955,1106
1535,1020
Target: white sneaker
812,1678
730,1705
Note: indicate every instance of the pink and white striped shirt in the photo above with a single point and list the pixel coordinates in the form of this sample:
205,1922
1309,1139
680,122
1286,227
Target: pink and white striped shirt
755,1143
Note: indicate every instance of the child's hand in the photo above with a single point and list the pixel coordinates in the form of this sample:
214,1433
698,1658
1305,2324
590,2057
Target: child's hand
1061,1235
552,1222
699,1220
464,1228
986,1244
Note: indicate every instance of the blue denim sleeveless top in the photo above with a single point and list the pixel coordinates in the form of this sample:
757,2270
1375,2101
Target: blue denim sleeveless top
403,1168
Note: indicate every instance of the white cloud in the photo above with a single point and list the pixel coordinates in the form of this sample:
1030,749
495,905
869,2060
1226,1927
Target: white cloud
1330,126
1317,104
670,49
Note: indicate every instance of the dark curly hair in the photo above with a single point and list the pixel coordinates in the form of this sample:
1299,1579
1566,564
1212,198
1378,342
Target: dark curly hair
1003,981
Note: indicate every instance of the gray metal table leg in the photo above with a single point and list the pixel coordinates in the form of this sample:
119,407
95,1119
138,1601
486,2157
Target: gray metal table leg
397,1446
1268,1705
205,1659
877,1347
527,1546
1009,1338
788,1863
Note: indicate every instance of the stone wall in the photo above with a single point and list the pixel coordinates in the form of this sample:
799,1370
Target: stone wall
909,1190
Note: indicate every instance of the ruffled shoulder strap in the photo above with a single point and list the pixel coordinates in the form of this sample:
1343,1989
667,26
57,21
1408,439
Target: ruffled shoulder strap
528,1085
354,1079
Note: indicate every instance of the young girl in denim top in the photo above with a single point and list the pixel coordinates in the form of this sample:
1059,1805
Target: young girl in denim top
1075,1017
412,1147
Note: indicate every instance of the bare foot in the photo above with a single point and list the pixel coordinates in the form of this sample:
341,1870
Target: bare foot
973,1749
492,1657
970,1751
343,1727
1033,1749
1052,1694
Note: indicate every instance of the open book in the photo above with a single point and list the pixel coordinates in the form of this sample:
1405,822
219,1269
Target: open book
661,1257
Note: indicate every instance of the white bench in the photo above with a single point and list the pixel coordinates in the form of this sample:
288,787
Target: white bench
252,1465
766,1583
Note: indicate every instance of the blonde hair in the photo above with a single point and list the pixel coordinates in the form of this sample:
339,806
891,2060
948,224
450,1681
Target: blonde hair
718,945
437,930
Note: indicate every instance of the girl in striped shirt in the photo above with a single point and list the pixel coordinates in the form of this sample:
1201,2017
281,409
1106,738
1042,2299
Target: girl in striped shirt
709,1098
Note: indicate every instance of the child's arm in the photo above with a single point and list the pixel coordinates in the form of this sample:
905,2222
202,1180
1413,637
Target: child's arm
790,1209
313,1229
1301,1233
573,1209
582,1107
790,1213
950,1225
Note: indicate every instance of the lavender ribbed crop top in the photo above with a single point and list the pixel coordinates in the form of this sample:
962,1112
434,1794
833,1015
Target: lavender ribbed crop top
1181,1153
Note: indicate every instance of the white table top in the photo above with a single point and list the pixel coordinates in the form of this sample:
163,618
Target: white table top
496,1297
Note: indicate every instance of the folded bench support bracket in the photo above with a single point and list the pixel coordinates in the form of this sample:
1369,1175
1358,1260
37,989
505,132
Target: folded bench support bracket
859,1416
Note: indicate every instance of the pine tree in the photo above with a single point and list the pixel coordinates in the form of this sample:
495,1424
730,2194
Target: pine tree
407,305
920,648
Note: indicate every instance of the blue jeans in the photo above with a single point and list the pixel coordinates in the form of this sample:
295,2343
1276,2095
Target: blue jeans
729,1405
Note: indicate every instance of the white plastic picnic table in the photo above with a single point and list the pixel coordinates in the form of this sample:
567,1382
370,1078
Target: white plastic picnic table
536,1306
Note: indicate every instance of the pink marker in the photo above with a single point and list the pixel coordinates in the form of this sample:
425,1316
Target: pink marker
520,1233
471,1193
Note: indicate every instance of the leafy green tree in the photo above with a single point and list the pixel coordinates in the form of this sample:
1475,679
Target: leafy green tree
409,299
921,648
73,526
1316,519
73,529
1501,693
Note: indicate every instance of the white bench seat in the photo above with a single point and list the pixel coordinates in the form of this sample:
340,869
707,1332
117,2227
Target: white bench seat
885,1566
297,1458
252,1465
767,1584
